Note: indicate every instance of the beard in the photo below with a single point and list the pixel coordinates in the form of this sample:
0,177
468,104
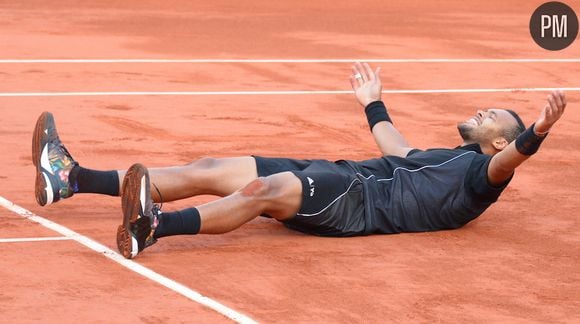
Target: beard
467,131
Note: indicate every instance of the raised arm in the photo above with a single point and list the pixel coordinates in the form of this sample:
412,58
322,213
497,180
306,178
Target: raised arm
502,165
367,88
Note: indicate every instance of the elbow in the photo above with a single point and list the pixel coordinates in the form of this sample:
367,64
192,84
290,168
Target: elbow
498,173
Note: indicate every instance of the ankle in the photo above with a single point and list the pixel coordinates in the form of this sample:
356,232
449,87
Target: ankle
92,181
187,221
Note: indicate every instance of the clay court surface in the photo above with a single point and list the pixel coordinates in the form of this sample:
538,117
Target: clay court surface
518,262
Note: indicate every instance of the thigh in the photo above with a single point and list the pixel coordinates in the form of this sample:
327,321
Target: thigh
269,166
332,204
231,174
216,176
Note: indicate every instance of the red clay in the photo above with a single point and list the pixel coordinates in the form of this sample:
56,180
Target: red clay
517,263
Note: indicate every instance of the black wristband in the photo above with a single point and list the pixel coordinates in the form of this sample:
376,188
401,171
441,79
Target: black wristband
376,112
528,142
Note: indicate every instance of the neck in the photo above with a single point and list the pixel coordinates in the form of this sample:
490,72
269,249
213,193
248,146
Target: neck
486,149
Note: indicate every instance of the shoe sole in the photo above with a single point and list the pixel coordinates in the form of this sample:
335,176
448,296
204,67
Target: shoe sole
43,193
133,196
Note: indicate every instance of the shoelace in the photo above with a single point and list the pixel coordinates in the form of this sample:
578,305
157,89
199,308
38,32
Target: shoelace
160,198
58,143
63,148
156,210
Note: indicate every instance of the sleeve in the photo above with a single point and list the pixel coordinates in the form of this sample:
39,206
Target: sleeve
478,183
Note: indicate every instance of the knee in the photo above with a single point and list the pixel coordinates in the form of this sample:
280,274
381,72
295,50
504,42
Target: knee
205,163
277,195
271,189
259,189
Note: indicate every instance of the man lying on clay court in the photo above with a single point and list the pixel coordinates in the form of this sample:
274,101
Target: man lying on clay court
405,190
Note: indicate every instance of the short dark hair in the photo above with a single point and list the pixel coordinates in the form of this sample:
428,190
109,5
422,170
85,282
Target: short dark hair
511,133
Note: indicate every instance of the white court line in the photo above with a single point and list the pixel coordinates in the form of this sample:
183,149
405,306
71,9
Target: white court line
129,264
242,93
34,239
418,60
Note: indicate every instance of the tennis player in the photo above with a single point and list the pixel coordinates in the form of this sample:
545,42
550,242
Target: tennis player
404,190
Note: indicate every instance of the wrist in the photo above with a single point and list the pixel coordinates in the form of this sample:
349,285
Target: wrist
369,101
529,142
376,112
539,131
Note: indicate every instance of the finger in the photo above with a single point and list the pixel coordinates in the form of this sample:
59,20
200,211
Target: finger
548,108
353,83
564,100
562,97
378,75
369,72
548,112
562,105
558,99
362,71
552,102
357,75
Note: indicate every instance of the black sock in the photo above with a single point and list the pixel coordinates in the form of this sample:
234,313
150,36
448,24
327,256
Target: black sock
92,181
185,221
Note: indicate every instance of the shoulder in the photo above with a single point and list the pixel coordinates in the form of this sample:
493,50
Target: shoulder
477,180
471,164
440,154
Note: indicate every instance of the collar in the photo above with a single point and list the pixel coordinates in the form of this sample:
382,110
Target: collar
470,147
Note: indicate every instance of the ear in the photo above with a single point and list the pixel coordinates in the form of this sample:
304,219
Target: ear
499,143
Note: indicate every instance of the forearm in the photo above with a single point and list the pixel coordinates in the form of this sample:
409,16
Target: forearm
503,164
367,87
387,137
389,140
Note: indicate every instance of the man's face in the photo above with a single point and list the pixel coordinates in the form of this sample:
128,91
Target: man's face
486,125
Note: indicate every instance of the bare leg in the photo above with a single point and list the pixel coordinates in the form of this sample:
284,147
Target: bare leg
278,195
209,176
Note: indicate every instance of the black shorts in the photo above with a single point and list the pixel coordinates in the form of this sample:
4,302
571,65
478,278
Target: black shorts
332,196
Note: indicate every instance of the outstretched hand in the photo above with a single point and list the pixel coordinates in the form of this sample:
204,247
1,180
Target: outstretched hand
366,83
552,111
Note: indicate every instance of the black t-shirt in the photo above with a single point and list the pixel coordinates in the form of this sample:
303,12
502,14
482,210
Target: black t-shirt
428,190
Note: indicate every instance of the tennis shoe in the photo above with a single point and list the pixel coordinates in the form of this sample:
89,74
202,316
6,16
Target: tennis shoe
140,215
52,161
